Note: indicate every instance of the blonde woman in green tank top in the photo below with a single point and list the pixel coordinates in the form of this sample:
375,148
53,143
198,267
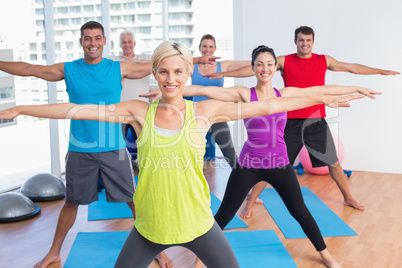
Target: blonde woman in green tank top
172,198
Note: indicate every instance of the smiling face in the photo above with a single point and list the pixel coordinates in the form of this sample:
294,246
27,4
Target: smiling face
264,67
92,42
172,76
304,43
207,47
127,44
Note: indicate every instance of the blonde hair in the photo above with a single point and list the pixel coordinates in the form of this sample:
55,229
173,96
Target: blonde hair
168,49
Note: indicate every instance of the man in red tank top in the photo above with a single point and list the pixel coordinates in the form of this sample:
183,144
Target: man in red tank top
308,126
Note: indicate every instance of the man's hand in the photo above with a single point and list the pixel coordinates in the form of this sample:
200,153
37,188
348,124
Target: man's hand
9,114
389,72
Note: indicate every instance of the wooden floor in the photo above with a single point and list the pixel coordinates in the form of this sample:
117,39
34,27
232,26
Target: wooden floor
378,245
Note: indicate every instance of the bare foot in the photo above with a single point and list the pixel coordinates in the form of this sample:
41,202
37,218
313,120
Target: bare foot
329,261
198,263
257,200
47,260
247,211
163,260
354,204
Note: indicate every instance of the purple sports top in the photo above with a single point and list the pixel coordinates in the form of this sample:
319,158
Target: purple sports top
265,147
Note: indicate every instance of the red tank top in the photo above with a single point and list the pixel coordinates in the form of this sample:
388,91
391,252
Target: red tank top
301,72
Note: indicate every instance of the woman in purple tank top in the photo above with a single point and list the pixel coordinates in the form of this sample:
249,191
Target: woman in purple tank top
263,158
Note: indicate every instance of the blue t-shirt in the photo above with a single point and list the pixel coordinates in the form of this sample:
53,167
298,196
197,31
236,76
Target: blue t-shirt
94,84
197,79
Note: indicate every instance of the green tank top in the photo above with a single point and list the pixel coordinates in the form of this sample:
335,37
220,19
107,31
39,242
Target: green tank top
172,199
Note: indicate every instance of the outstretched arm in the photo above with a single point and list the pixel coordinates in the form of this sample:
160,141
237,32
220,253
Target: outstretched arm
228,94
49,73
337,66
132,70
231,65
115,113
205,59
246,71
328,90
217,111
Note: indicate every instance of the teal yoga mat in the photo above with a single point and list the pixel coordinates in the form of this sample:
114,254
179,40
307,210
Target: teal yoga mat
103,210
236,222
252,249
329,223
259,249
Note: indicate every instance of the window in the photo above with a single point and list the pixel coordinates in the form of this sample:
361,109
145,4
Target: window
115,19
62,10
76,10
144,30
115,7
76,21
6,93
143,5
32,47
144,17
69,45
39,23
3,121
89,9
39,12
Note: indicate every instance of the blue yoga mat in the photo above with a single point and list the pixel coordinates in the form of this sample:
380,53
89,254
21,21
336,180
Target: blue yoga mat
259,249
236,222
103,210
329,223
96,249
252,249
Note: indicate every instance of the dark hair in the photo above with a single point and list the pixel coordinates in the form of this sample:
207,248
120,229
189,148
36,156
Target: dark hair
92,25
260,49
207,36
304,30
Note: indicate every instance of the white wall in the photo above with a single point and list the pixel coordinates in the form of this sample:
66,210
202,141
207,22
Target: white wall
361,31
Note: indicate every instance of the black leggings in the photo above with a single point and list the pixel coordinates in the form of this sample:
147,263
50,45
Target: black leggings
220,132
285,182
212,248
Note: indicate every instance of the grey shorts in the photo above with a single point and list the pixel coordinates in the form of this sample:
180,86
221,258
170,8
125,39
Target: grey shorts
84,169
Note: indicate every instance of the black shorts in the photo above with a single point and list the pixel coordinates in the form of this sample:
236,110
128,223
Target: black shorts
315,135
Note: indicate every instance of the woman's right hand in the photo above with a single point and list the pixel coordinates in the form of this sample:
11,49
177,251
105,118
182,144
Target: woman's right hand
340,101
368,92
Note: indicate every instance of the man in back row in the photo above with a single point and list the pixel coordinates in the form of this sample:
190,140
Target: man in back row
132,87
308,126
